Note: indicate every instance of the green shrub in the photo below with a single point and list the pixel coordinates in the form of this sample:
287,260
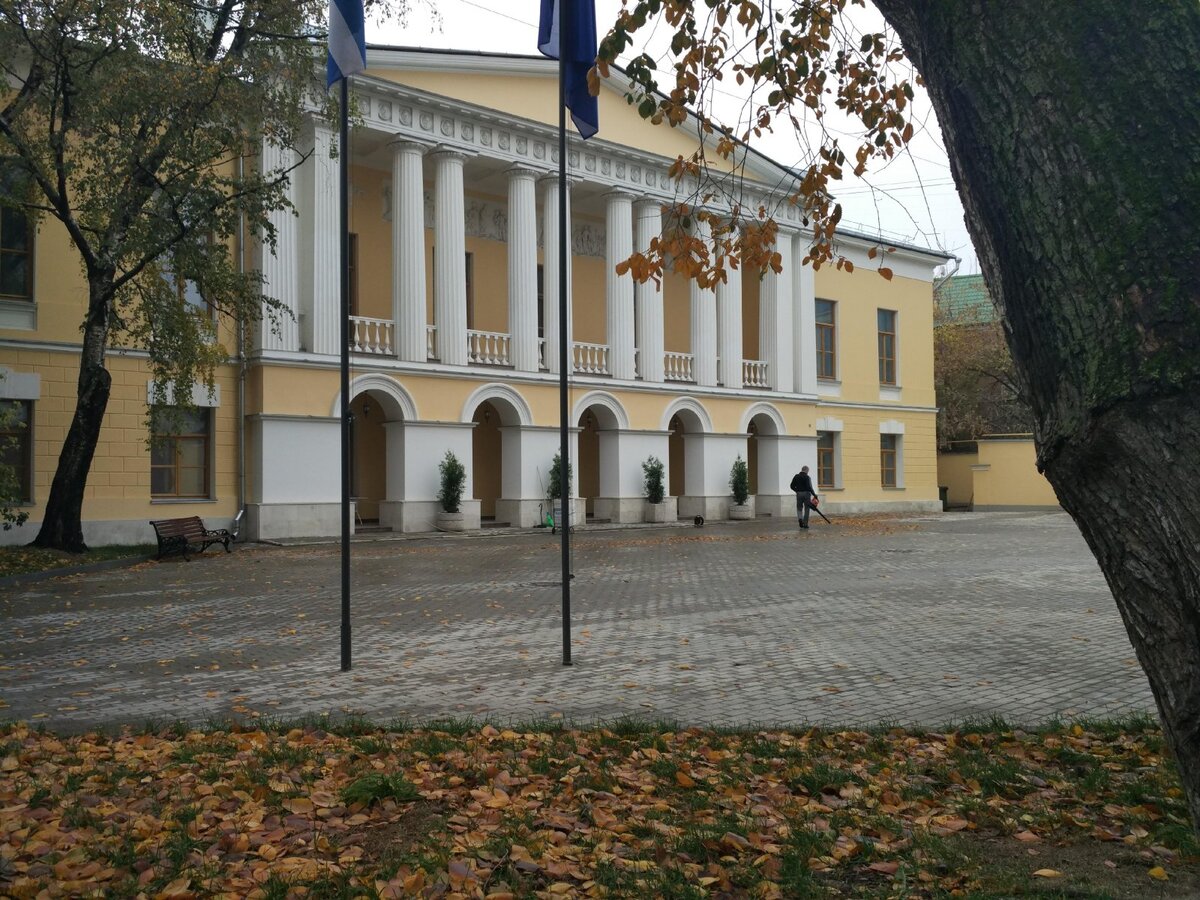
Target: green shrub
739,481
653,485
554,485
454,481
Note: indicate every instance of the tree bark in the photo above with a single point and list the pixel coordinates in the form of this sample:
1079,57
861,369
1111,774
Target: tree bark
1074,139
62,524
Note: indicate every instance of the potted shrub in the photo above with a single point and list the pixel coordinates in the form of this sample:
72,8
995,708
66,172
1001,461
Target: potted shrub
657,509
454,481
554,490
739,486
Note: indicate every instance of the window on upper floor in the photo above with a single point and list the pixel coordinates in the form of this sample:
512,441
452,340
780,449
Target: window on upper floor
826,459
181,454
16,240
16,446
887,346
826,339
889,460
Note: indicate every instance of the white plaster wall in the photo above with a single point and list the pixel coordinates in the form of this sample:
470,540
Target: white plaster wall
622,453
297,460
423,447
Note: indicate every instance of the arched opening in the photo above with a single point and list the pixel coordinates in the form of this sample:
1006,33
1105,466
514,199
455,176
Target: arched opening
487,461
763,448
370,412
490,417
595,454
675,451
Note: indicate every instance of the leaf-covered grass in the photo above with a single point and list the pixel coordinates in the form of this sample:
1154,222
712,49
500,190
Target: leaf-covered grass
635,810
28,560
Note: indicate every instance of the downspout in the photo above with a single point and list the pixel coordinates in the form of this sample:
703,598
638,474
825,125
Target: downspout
241,354
950,273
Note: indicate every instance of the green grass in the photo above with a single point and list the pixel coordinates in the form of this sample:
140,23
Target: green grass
376,787
30,560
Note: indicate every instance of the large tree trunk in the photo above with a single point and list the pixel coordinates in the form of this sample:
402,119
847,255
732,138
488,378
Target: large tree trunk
62,526
1074,137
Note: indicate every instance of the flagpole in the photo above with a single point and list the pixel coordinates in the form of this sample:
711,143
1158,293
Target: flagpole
343,192
564,335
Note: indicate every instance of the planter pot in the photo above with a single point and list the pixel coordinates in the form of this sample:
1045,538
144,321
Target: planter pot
447,521
659,512
741,511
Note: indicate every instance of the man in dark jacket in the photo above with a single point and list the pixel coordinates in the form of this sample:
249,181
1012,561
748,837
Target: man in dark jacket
803,486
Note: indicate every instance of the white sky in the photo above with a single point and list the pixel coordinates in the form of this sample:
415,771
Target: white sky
913,199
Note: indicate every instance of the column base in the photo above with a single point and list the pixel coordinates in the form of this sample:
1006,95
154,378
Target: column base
411,516
273,521
775,505
622,510
711,508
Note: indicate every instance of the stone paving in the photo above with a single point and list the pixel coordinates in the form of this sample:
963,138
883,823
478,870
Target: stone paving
925,620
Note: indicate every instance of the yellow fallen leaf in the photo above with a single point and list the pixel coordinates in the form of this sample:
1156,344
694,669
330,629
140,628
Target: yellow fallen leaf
1048,873
298,805
1158,873
685,780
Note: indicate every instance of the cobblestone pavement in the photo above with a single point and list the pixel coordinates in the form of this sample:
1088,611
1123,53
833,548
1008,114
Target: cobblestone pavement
926,620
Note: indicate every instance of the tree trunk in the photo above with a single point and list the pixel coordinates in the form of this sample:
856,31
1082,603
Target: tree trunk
62,525
1074,139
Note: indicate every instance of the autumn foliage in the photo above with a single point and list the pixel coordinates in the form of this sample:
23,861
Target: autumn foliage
619,811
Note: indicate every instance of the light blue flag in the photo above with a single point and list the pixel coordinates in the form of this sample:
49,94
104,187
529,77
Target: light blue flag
347,39
581,56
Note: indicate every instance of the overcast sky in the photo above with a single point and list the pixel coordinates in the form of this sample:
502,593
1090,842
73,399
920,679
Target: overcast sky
913,199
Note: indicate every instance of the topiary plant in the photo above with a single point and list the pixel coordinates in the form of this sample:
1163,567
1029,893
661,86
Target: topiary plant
454,481
653,485
739,481
554,483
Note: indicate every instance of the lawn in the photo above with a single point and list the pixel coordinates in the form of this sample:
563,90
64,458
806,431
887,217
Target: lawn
319,809
27,560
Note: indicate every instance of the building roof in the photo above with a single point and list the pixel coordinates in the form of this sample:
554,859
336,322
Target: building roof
965,297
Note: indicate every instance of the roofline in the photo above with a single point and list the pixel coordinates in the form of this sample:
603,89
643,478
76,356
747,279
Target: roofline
536,59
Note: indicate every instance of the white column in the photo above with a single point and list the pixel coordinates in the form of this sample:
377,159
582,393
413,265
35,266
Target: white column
281,268
729,327
522,268
450,251
704,324
321,247
550,237
408,250
648,297
784,377
618,293
804,325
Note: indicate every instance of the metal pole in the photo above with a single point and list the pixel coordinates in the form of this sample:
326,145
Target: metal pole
344,190
564,335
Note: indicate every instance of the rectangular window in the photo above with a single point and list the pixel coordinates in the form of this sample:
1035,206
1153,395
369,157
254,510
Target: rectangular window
16,446
180,454
889,452
826,340
826,474
887,346
16,241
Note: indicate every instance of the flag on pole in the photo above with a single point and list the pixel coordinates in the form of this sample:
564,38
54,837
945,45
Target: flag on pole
581,56
347,40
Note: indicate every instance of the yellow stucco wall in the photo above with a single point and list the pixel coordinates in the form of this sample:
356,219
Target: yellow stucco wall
955,473
1011,477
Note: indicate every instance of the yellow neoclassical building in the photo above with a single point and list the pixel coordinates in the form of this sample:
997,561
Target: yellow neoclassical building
454,337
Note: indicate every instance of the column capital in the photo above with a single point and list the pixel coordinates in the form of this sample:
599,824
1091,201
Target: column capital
647,205
618,194
446,152
402,145
519,171
551,178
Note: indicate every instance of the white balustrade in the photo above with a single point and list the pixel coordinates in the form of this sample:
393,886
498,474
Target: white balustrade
591,359
372,335
431,342
678,367
488,348
754,373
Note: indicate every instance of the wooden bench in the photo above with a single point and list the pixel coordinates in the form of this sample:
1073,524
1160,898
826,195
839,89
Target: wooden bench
188,535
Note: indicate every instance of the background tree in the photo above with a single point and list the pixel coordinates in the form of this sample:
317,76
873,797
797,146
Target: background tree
137,126
1074,140
974,378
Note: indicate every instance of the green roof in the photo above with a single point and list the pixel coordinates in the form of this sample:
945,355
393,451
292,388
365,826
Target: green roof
965,297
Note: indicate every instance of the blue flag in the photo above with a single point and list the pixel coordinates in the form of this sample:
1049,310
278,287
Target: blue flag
581,56
347,40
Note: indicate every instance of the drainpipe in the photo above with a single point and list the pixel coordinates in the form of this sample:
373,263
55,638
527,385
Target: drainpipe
241,354
950,273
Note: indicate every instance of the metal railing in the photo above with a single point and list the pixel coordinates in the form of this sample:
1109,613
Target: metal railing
489,348
590,359
678,367
754,373
369,335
